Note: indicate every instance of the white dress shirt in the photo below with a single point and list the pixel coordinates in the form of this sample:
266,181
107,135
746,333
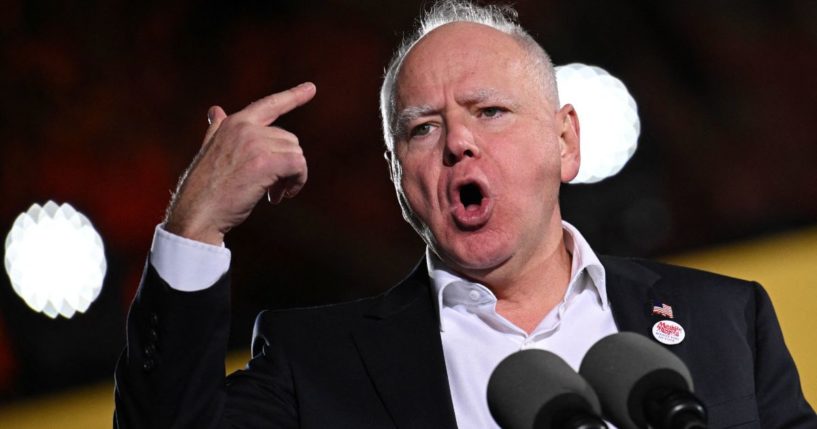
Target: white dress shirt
187,265
474,337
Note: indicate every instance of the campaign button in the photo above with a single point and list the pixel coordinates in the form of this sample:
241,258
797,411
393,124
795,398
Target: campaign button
668,332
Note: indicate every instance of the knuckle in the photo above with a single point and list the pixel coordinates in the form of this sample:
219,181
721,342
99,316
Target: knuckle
272,101
297,150
258,163
228,122
273,98
244,131
298,161
284,135
293,162
256,149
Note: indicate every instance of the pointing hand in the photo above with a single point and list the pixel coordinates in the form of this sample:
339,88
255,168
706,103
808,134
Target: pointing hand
242,159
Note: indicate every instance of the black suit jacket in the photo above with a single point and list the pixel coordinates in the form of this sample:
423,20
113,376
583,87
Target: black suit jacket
378,362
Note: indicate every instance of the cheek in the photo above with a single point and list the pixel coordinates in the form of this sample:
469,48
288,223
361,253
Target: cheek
534,170
418,184
547,154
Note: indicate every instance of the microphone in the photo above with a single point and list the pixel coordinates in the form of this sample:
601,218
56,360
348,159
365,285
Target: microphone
642,384
535,389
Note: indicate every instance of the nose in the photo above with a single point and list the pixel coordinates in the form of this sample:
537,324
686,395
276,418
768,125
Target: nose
459,144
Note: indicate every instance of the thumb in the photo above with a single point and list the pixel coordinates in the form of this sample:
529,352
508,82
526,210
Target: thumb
215,114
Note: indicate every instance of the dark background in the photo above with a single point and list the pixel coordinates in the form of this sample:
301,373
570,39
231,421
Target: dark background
103,104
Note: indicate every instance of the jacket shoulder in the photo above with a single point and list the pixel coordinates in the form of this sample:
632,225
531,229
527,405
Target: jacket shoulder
322,322
675,277
333,323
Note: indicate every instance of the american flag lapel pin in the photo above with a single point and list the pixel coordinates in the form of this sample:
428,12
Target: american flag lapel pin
666,331
661,309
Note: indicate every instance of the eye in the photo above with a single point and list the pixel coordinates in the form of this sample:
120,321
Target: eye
492,112
421,130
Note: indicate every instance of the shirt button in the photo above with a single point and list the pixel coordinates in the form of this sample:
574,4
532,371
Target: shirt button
474,295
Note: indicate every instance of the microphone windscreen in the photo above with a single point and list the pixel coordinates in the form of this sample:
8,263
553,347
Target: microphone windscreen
624,369
534,388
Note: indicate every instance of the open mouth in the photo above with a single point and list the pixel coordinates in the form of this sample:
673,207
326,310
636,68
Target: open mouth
471,196
473,206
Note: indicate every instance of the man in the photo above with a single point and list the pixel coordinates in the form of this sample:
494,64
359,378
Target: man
477,146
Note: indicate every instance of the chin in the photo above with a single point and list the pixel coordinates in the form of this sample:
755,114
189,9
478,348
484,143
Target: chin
475,253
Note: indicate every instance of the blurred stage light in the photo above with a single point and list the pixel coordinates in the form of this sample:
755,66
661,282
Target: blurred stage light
608,119
55,259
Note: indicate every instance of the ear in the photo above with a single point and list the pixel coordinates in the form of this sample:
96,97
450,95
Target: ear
568,121
389,156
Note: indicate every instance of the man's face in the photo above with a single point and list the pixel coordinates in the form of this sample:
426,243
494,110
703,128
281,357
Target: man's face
480,152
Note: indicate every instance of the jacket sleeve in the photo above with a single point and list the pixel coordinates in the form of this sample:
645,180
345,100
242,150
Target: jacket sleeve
171,373
780,399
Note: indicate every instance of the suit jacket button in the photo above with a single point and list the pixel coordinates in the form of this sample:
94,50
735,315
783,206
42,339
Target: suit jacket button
149,350
149,365
154,319
154,336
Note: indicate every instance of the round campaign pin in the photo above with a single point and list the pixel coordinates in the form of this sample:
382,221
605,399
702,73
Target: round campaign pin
668,332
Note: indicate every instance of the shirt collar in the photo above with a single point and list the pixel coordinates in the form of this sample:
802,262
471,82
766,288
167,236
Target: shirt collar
583,260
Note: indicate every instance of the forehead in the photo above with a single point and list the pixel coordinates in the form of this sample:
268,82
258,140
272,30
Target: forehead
469,56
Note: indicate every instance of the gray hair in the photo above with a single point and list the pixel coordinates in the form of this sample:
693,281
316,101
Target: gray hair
501,18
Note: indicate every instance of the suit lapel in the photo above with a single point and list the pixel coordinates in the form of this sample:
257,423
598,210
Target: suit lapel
633,289
629,288
399,342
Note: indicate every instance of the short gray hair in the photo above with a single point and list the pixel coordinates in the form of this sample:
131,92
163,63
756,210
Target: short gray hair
501,18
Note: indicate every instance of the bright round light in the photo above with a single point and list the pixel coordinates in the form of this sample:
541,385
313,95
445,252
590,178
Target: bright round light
608,119
55,259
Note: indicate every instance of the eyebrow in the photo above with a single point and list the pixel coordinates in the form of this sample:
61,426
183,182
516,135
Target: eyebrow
411,113
485,94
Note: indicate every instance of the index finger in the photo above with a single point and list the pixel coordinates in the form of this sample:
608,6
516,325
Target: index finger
266,110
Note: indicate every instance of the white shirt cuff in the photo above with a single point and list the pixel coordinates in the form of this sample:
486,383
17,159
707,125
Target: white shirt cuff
187,265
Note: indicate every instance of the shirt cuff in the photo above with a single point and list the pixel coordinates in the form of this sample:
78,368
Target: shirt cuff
187,265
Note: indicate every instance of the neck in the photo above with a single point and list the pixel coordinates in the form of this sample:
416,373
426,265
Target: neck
528,290
530,297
